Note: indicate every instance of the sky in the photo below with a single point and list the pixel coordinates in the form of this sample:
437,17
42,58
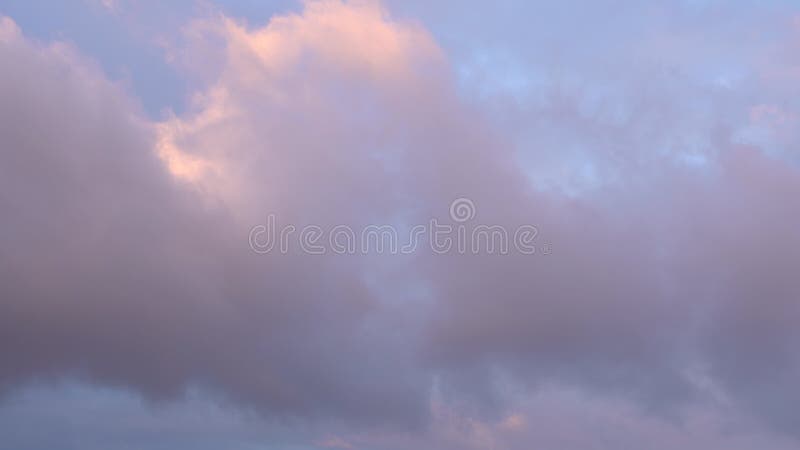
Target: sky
392,225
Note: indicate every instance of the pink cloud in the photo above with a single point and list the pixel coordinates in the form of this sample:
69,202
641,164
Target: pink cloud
125,257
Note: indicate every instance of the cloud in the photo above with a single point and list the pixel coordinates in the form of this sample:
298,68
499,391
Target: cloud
669,291
118,272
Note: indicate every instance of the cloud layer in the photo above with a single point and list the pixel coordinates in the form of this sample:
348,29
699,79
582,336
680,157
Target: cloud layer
665,311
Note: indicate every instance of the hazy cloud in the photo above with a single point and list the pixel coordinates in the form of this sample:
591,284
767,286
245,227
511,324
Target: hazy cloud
664,313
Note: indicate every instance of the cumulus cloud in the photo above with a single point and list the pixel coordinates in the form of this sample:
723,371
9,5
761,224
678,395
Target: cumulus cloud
665,308
118,272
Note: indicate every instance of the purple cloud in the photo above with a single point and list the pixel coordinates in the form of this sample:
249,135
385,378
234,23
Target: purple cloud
664,310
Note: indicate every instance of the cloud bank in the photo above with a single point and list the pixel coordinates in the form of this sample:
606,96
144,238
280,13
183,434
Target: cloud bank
665,312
